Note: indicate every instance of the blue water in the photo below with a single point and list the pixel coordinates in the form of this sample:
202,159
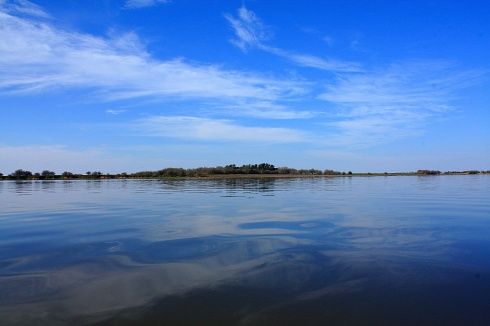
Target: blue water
301,251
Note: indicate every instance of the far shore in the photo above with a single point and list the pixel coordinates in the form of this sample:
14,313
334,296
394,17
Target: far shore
233,176
231,171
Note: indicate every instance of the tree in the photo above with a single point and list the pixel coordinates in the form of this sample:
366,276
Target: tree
21,174
428,172
172,172
46,174
266,168
314,172
231,169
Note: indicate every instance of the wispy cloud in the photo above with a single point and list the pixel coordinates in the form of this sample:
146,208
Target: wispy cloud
267,110
355,106
136,4
37,56
367,106
203,129
22,7
249,29
421,83
312,61
115,112
394,102
251,33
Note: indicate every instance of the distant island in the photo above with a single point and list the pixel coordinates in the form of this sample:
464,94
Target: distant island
231,171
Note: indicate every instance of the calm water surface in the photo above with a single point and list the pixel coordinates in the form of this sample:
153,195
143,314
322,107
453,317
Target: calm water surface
303,251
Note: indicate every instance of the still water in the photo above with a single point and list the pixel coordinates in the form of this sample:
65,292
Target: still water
300,251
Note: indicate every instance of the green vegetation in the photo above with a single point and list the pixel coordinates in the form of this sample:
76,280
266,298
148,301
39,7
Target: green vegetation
428,172
232,170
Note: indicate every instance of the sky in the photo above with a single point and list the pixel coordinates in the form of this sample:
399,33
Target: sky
350,85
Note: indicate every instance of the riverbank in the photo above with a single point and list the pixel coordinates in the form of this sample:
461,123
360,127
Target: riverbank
233,176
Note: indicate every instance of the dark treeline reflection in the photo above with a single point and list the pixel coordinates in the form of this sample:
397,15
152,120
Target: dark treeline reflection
333,251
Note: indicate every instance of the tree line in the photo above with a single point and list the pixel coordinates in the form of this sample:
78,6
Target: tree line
262,168
231,169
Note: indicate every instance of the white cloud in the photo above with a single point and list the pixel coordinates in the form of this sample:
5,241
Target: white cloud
363,106
395,102
265,110
115,112
22,7
311,61
371,131
249,29
36,56
134,4
403,85
251,32
203,129
368,106
315,62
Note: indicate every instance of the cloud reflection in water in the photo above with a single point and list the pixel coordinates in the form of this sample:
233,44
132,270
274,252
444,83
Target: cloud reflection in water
339,251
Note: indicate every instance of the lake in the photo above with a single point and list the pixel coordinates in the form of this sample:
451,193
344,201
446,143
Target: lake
395,250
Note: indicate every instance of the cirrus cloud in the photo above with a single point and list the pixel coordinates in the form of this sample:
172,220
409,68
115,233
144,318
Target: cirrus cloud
36,56
136,4
204,129
251,32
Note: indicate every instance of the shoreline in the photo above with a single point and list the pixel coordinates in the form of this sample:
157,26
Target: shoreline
237,176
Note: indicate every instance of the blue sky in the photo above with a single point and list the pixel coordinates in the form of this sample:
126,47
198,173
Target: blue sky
133,85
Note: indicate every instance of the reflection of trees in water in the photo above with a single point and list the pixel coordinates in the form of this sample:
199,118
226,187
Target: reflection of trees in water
248,186
22,187
232,187
28,186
